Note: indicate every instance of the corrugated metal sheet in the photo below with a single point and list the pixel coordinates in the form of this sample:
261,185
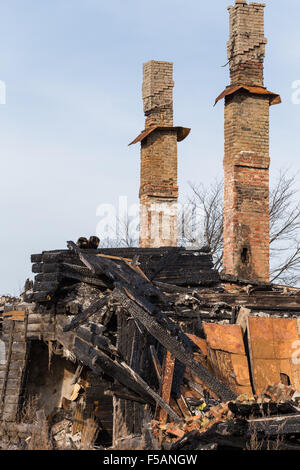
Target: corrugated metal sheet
182,133
256,90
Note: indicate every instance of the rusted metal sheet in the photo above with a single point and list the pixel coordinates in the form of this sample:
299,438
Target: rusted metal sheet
273,345
182,133
274,98
228,356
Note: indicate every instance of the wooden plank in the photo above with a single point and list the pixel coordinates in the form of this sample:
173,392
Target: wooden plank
156,363
275,426
263,301
118,258
183,407
99,361
83,316
177,346
166,384
17,315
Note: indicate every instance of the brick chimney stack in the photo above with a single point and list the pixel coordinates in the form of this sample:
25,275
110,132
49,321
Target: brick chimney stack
158,184
246,160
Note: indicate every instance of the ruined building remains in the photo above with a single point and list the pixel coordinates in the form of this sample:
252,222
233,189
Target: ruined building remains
151,347
158,186
247,160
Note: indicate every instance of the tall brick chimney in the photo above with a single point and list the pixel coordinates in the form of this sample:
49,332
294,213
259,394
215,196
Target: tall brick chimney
158,184
246,160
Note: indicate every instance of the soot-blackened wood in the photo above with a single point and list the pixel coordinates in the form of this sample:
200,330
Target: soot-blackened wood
38,297
164,261
275,426
99,361
160,317
45,286
83,274
262,410
37,268
86,280
259,301
171,288
156,363
102,342
150,441
61,257
123,394
174,344
48,277
83,316
119,271
151,392
51,268
36,258
181,315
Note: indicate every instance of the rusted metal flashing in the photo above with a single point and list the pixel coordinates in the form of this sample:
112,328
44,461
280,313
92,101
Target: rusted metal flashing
255,90
182,133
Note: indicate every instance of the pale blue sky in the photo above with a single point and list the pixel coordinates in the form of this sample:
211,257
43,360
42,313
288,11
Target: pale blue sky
73,71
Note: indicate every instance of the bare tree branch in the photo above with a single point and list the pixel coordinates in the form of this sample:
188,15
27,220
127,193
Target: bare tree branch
284,225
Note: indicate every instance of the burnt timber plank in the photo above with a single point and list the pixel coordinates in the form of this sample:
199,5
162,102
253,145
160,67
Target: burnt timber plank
259,301
99,361
166,383
82,317
275,426
119,272
172,344
166,258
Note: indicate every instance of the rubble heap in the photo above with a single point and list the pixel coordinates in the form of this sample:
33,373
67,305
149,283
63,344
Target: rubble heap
140,352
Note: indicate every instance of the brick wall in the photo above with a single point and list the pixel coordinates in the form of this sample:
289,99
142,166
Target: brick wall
246,160
158,182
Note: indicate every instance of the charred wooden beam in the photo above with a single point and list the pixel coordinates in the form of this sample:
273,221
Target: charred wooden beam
262,409
93,334
164,261
156,363
119,272
175,344
82,317
275,426
124,394
99,362
45,286
257,301
166,383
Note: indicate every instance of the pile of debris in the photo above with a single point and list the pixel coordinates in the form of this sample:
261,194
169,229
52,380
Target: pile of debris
250,423
156,346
